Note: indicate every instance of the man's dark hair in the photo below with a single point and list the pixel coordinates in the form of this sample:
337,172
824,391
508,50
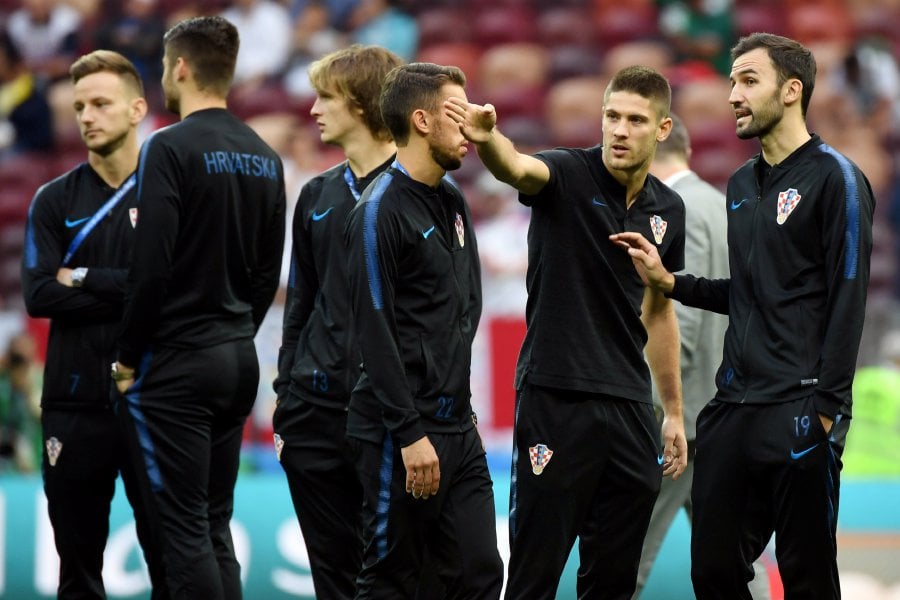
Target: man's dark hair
646,82
210,45
411,87
792,60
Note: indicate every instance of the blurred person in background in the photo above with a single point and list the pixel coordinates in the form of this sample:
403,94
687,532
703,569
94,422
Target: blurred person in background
265,30
79,235
319,362
700,31
20,410
313,38
702,333
385,23
135,30
26,122
45,32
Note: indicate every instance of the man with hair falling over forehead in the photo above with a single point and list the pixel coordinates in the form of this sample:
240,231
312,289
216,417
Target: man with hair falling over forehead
319,362
77,246
210,232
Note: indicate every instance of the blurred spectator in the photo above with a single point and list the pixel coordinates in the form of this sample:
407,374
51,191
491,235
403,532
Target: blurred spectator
339,11
265,30
501,225
383,23
26,124
20,392
873,443
136,31
700,30
871,77
314,37
45,32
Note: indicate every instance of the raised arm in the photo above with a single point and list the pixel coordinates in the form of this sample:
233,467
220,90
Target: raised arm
479,125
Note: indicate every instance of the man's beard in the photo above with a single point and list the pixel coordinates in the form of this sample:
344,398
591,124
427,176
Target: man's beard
445,160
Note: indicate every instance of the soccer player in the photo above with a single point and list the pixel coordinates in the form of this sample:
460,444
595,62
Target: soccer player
587,455
77,244
799,243
207,255
416,297
319,362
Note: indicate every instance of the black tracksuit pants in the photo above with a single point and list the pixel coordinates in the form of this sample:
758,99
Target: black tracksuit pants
326,494
456,528
84,452
584,465
763,469
184,419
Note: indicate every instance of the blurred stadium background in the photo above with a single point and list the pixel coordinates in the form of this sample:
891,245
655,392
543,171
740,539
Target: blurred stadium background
544,64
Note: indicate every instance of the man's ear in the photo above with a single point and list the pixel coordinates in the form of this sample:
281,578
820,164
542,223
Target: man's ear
421,121
182,69
665,128
793,91
138,110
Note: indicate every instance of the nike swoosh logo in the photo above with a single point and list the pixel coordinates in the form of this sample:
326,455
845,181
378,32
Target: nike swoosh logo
318,217
76,222
737,205
802,453
598,203
427,232
659,459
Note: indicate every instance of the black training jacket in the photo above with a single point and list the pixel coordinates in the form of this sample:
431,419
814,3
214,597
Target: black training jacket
209,237
83,321
799,247
318,361
416,291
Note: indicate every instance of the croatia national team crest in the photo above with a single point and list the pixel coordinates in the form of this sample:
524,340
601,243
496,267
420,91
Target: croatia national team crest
658,227
132,214
54,448
540,455
279,446
460,230
787,202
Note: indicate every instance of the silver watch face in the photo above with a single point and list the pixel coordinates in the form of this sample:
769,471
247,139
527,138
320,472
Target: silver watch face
78,276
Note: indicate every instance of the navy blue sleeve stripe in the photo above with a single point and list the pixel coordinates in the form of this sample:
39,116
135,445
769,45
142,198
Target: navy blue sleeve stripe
370,240
382,511
292,272
851,207
30,250
142,163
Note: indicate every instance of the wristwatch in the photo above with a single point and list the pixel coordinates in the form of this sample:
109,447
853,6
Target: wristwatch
78,276
118,375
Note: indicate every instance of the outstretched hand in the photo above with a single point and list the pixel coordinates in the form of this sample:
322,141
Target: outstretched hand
646,260
476,122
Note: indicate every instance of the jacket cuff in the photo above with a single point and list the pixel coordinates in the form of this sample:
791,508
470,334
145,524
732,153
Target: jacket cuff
408,433
128,358
680,281
826,406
